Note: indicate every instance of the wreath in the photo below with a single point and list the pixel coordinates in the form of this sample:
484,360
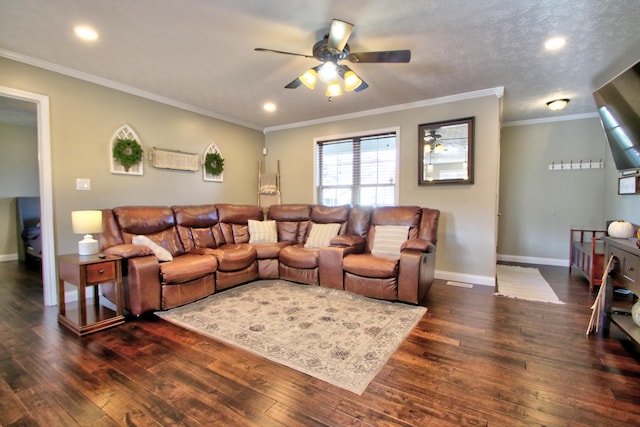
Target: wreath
127,152
214,163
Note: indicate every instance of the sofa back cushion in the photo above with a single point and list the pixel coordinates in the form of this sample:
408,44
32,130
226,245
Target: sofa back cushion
155,222
394,215
198,226
292,221
359,221
111,235
234,220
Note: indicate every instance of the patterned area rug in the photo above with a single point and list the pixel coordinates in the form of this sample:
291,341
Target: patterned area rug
338,337
524,283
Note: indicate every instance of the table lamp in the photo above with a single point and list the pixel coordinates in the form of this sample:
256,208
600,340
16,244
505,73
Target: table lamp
87,222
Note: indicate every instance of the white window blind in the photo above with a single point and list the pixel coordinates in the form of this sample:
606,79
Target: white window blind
357,170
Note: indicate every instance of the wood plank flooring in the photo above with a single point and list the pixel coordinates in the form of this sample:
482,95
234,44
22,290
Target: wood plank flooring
474,359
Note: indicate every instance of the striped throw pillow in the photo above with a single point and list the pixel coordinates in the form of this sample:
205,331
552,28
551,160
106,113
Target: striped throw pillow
388,240
321,234
262,231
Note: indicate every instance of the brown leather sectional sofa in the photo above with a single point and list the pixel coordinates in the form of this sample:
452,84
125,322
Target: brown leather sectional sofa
211,250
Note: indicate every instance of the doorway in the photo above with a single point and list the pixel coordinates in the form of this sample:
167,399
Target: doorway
46,189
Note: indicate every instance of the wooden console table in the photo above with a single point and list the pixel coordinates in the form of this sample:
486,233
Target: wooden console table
84,271
625,272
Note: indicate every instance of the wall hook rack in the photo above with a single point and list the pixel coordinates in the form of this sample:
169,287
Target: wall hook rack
575,165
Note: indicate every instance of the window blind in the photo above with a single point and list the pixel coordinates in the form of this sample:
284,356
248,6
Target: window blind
358,170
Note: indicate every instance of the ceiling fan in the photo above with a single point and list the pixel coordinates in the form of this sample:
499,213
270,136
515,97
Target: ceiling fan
332,49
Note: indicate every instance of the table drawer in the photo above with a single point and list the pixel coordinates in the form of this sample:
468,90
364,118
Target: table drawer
101,272
627,265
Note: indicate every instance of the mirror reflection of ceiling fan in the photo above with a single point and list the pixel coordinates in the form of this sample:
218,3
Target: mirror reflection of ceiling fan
431,143
332,49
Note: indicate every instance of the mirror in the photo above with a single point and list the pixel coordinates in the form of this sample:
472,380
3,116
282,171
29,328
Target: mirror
445,152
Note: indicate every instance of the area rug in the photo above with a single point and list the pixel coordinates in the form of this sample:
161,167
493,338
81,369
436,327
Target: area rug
524,283
333,335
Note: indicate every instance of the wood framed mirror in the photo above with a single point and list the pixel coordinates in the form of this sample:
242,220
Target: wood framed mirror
445,152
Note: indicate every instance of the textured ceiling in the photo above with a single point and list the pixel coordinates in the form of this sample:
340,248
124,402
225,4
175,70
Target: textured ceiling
200,53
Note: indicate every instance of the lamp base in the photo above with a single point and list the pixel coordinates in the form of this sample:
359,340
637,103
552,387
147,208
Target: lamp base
88,246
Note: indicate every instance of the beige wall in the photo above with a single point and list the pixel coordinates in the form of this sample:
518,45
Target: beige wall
538,207
84,117
467,233
18,177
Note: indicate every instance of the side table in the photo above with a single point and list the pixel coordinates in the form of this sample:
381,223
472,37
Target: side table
84,271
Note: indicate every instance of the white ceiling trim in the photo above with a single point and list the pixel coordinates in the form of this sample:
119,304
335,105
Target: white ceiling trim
551,120
120,87
497,91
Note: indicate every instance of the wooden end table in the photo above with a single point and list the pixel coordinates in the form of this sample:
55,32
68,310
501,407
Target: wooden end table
85,271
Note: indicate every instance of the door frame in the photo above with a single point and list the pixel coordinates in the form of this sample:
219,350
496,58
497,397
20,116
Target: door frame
49,276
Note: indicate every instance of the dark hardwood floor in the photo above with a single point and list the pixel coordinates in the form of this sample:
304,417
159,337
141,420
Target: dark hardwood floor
474,359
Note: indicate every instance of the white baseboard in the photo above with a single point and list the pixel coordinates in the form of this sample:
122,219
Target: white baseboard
8,257
559,262
465,278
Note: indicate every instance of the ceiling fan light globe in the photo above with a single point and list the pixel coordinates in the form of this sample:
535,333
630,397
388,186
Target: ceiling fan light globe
351,81
439,148
334,89
328,72
309,78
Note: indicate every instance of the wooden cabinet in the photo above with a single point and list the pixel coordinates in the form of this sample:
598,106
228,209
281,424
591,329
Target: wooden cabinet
587,254
625,272
83,272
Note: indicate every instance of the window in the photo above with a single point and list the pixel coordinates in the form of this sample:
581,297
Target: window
357,170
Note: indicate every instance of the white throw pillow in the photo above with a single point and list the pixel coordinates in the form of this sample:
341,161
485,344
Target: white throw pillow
161,253
388,240
262,231
321,234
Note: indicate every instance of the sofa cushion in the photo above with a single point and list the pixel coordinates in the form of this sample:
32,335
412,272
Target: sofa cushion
234,257
369,265
262,231
187,267
299,257
269,250
321,234
388,239
161,253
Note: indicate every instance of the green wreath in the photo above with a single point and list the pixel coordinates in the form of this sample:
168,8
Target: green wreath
214,163
127,152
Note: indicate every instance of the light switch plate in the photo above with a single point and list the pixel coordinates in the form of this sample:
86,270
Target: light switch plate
83,184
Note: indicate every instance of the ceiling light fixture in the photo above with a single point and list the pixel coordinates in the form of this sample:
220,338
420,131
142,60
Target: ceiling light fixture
86,33
558,104
555,43
328,72
269,106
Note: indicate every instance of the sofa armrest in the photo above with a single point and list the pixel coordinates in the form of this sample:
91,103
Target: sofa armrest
421,245
348,241
142,287
330,263
128,251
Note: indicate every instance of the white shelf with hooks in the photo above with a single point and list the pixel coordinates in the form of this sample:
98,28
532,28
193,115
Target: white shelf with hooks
575,165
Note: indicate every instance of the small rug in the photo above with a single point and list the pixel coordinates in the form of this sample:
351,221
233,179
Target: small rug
524,283
333,335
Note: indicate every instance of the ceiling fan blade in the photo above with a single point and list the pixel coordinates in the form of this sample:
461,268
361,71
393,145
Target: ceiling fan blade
262,49
391,56
339,34
294,84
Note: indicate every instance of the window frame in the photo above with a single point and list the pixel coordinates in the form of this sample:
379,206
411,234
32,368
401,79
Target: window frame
360,134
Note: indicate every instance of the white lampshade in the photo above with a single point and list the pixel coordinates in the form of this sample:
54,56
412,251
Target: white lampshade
87,222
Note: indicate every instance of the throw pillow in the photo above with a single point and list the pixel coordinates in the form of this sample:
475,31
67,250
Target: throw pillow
321,234
262,231
388,239
161,253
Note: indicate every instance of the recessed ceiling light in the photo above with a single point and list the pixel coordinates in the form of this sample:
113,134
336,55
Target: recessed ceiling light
269,106
555,43
86,33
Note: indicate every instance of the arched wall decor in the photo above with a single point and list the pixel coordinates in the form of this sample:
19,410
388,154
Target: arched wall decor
125,132
207,176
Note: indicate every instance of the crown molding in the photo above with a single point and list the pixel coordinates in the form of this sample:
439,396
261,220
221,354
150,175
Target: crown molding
551,119
496,91
120,87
